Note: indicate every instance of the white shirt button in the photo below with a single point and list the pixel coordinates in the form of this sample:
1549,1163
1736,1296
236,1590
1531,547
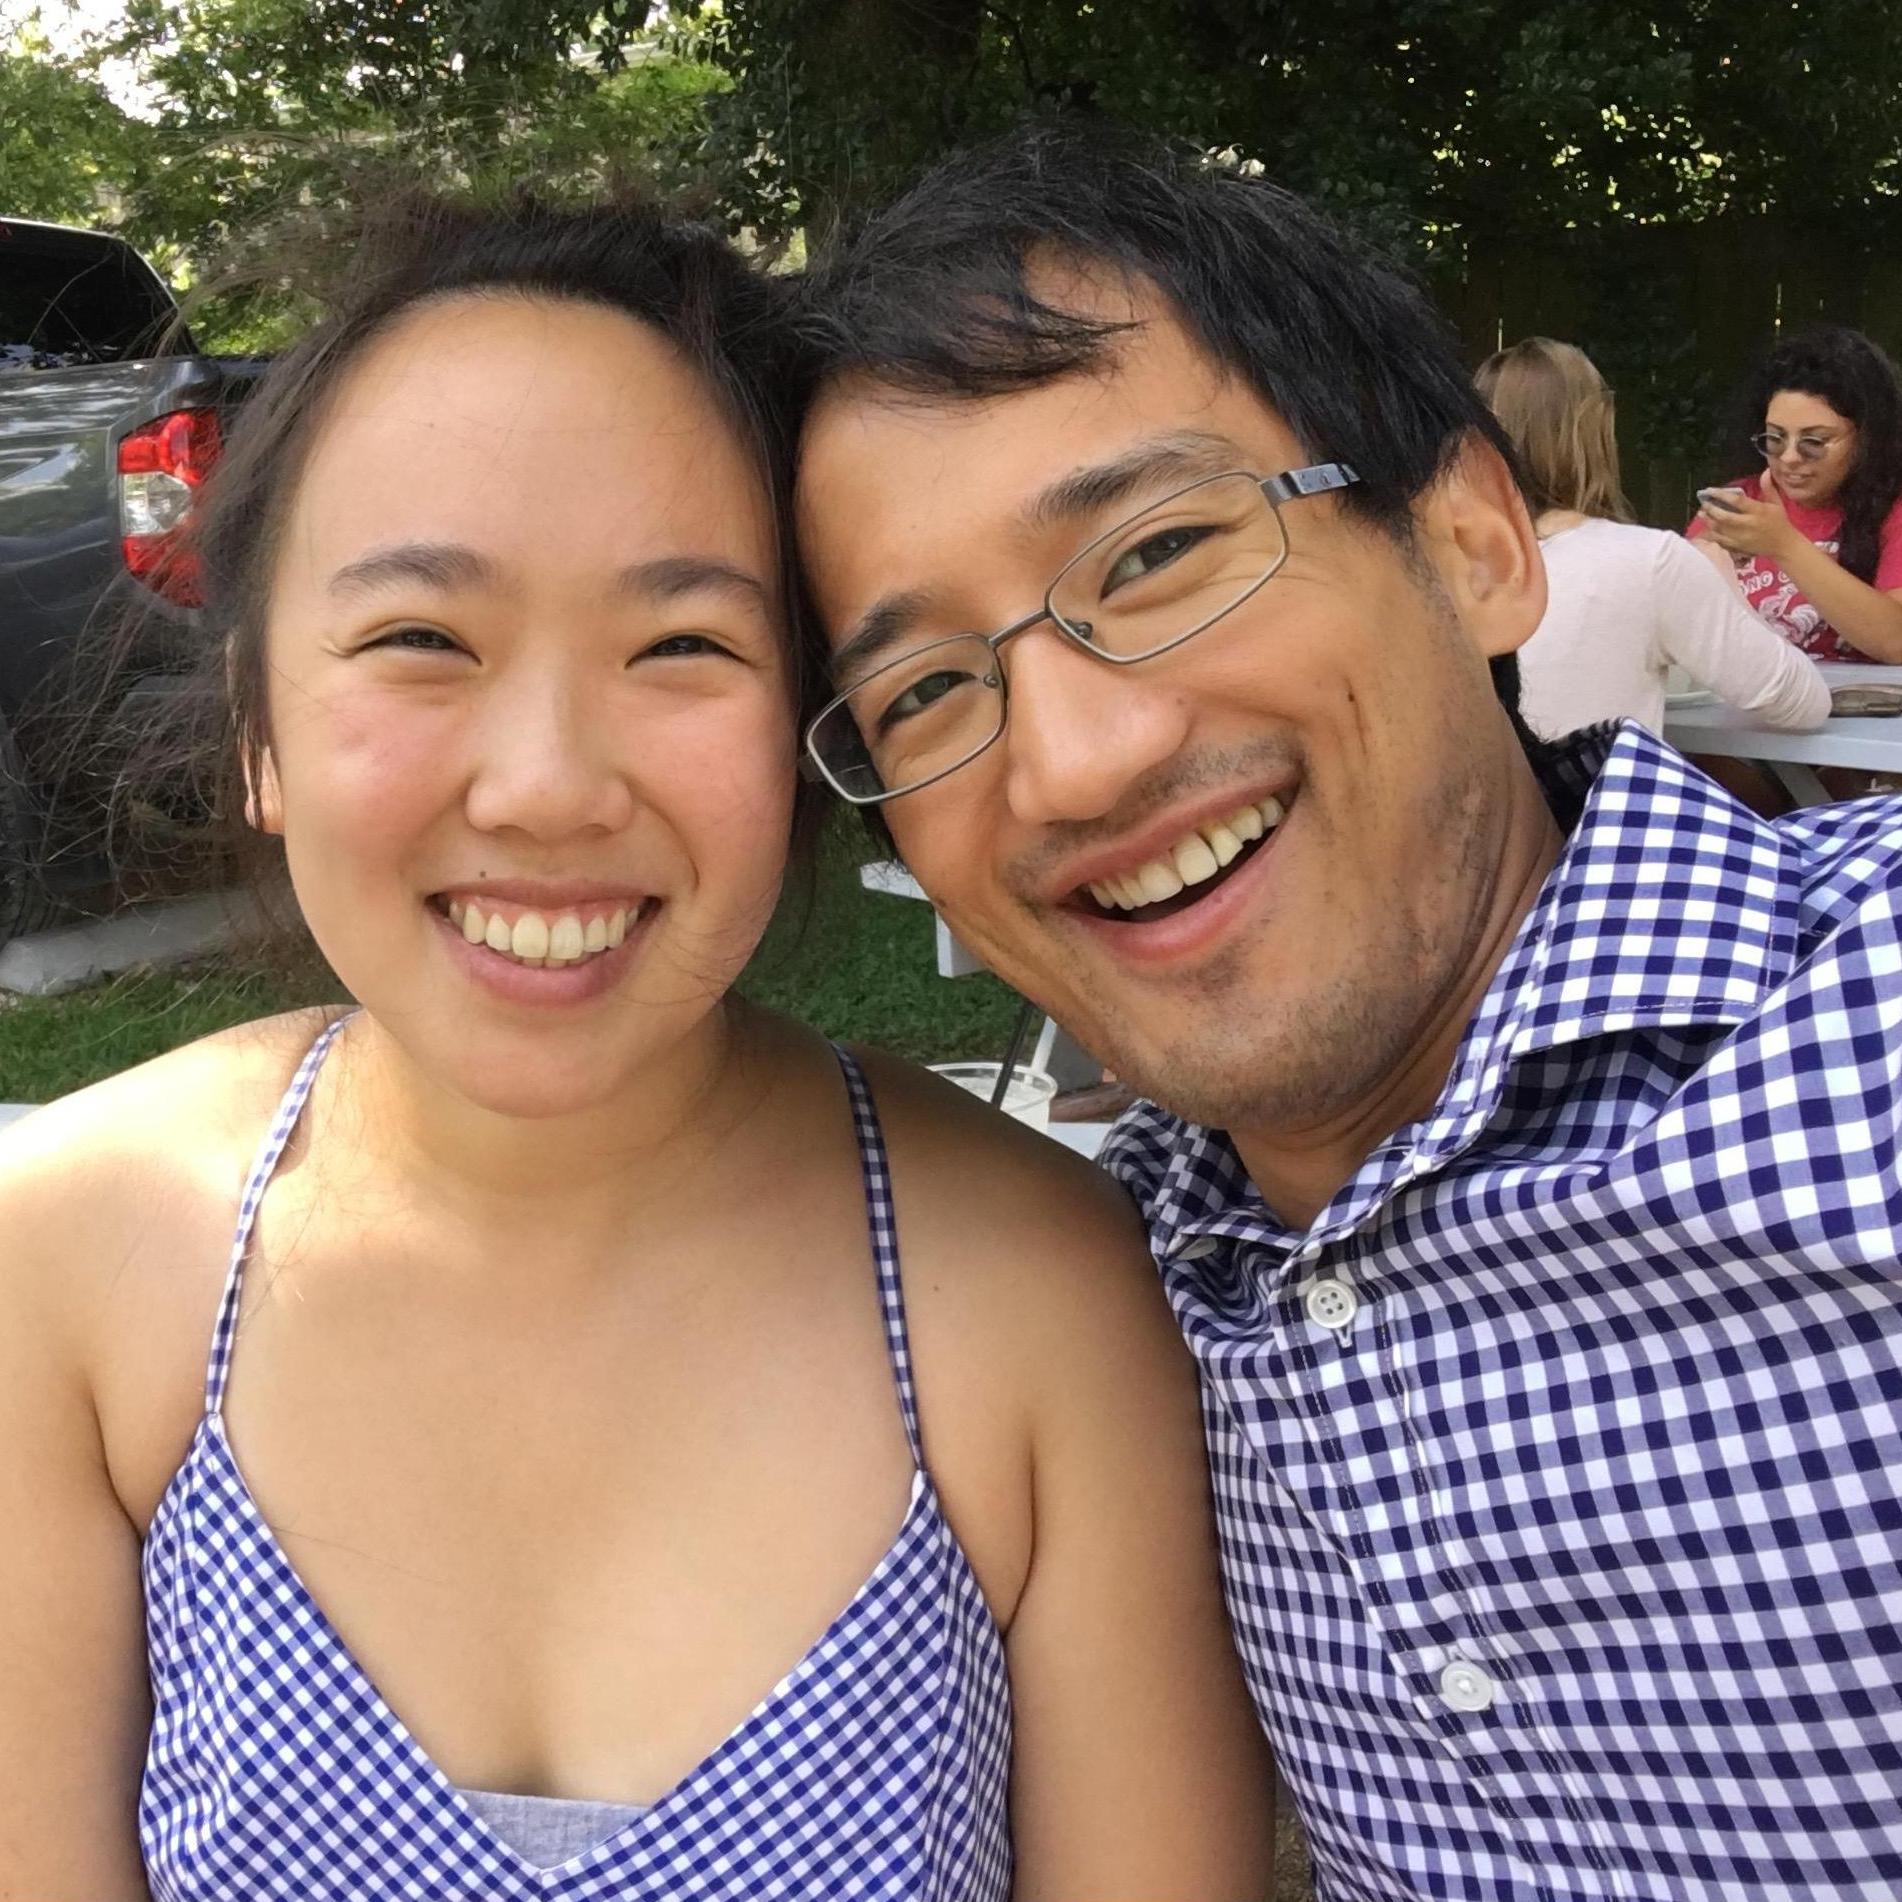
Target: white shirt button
1196,1247
1466,1687
1332,1304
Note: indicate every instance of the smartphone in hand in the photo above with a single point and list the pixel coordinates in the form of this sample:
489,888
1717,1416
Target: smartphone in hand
1729,500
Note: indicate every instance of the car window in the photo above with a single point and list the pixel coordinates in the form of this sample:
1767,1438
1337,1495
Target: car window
69,299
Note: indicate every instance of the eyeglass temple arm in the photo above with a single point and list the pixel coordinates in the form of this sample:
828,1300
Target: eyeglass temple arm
1315,480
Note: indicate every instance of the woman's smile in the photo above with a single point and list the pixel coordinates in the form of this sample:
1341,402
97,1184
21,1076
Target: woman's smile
610,944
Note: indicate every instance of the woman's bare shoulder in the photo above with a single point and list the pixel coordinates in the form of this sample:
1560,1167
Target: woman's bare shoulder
87,1176
1038,1317
986,1176
1020,1235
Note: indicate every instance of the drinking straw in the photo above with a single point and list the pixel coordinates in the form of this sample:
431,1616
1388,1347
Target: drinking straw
1007,1068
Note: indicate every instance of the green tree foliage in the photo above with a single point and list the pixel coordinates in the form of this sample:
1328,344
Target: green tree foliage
274,112
265,118
66,150
1454,132
1423,120
1464,136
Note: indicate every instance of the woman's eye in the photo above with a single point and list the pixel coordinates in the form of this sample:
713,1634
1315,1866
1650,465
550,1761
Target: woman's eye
418,640
678,646
1153,552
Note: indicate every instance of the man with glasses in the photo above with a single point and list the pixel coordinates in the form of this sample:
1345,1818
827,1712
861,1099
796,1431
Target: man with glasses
1521,1162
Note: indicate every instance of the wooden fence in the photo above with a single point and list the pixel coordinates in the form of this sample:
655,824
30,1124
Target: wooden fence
1676,316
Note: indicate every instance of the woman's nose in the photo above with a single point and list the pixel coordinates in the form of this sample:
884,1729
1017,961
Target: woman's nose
549,763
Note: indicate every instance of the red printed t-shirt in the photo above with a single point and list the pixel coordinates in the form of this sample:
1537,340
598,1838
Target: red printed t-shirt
1778,599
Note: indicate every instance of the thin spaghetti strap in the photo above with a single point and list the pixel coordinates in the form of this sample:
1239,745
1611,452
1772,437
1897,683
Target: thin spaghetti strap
882,1217
288,1110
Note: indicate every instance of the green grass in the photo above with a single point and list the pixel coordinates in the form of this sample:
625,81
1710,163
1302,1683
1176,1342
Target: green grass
49,1045
862,968
865,968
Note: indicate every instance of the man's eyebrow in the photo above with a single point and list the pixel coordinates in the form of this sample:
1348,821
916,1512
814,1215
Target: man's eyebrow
1183,456
670,576
884,624
443,566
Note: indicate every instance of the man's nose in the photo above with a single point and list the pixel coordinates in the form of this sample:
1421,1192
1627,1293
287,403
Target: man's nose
549,762
1082,730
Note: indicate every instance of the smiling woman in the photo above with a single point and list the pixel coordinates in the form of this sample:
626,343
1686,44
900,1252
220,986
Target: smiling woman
477,1443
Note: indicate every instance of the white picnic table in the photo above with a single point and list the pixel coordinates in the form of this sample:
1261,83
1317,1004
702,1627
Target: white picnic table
1701,723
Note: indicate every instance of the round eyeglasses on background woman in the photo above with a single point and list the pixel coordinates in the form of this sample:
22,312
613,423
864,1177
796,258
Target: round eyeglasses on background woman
1144,587
1809,446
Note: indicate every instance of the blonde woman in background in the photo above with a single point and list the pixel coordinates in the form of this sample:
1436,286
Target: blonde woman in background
1625,603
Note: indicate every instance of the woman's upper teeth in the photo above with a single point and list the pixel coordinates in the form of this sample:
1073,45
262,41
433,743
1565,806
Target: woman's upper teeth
540,938
1198,855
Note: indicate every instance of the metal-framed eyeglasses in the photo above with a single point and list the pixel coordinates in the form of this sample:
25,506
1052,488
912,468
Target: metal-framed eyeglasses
1141,589
1771,443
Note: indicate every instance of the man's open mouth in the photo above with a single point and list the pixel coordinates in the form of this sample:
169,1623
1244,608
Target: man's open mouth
1205,857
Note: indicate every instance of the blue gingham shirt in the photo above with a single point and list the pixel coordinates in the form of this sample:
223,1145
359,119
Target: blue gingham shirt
1559,1463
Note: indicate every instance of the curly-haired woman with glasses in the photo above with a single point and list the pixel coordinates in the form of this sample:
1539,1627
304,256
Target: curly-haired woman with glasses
1817,536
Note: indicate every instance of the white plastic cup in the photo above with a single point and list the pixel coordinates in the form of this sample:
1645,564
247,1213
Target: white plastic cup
1027,1098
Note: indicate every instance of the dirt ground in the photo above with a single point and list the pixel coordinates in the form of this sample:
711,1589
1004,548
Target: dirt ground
1292,1881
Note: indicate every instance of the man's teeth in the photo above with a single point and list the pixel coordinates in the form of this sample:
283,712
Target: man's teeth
537,939
1197,856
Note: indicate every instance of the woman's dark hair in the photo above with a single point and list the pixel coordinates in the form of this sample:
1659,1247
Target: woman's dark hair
933,298
676,276
1856,378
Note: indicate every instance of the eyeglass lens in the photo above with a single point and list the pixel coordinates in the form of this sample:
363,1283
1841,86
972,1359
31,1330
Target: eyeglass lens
1769,445
1149,583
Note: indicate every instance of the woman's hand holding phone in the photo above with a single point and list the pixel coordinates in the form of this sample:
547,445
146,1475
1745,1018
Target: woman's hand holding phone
1742,525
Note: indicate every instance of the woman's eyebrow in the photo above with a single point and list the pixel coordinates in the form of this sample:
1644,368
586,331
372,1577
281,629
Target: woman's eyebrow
448,566
669,576
444,566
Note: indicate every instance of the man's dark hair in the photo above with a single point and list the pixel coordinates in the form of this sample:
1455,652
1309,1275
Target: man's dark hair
932,298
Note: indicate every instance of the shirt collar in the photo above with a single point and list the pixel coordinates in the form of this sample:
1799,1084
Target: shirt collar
1667,906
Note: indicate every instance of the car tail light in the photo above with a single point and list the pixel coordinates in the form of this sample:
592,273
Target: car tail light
160,469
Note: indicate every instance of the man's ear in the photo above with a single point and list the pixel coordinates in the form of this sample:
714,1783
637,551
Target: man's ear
263,798
1477,531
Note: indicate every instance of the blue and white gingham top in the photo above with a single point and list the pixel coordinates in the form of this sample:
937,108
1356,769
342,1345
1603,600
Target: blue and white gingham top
1559,1463
876,1769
